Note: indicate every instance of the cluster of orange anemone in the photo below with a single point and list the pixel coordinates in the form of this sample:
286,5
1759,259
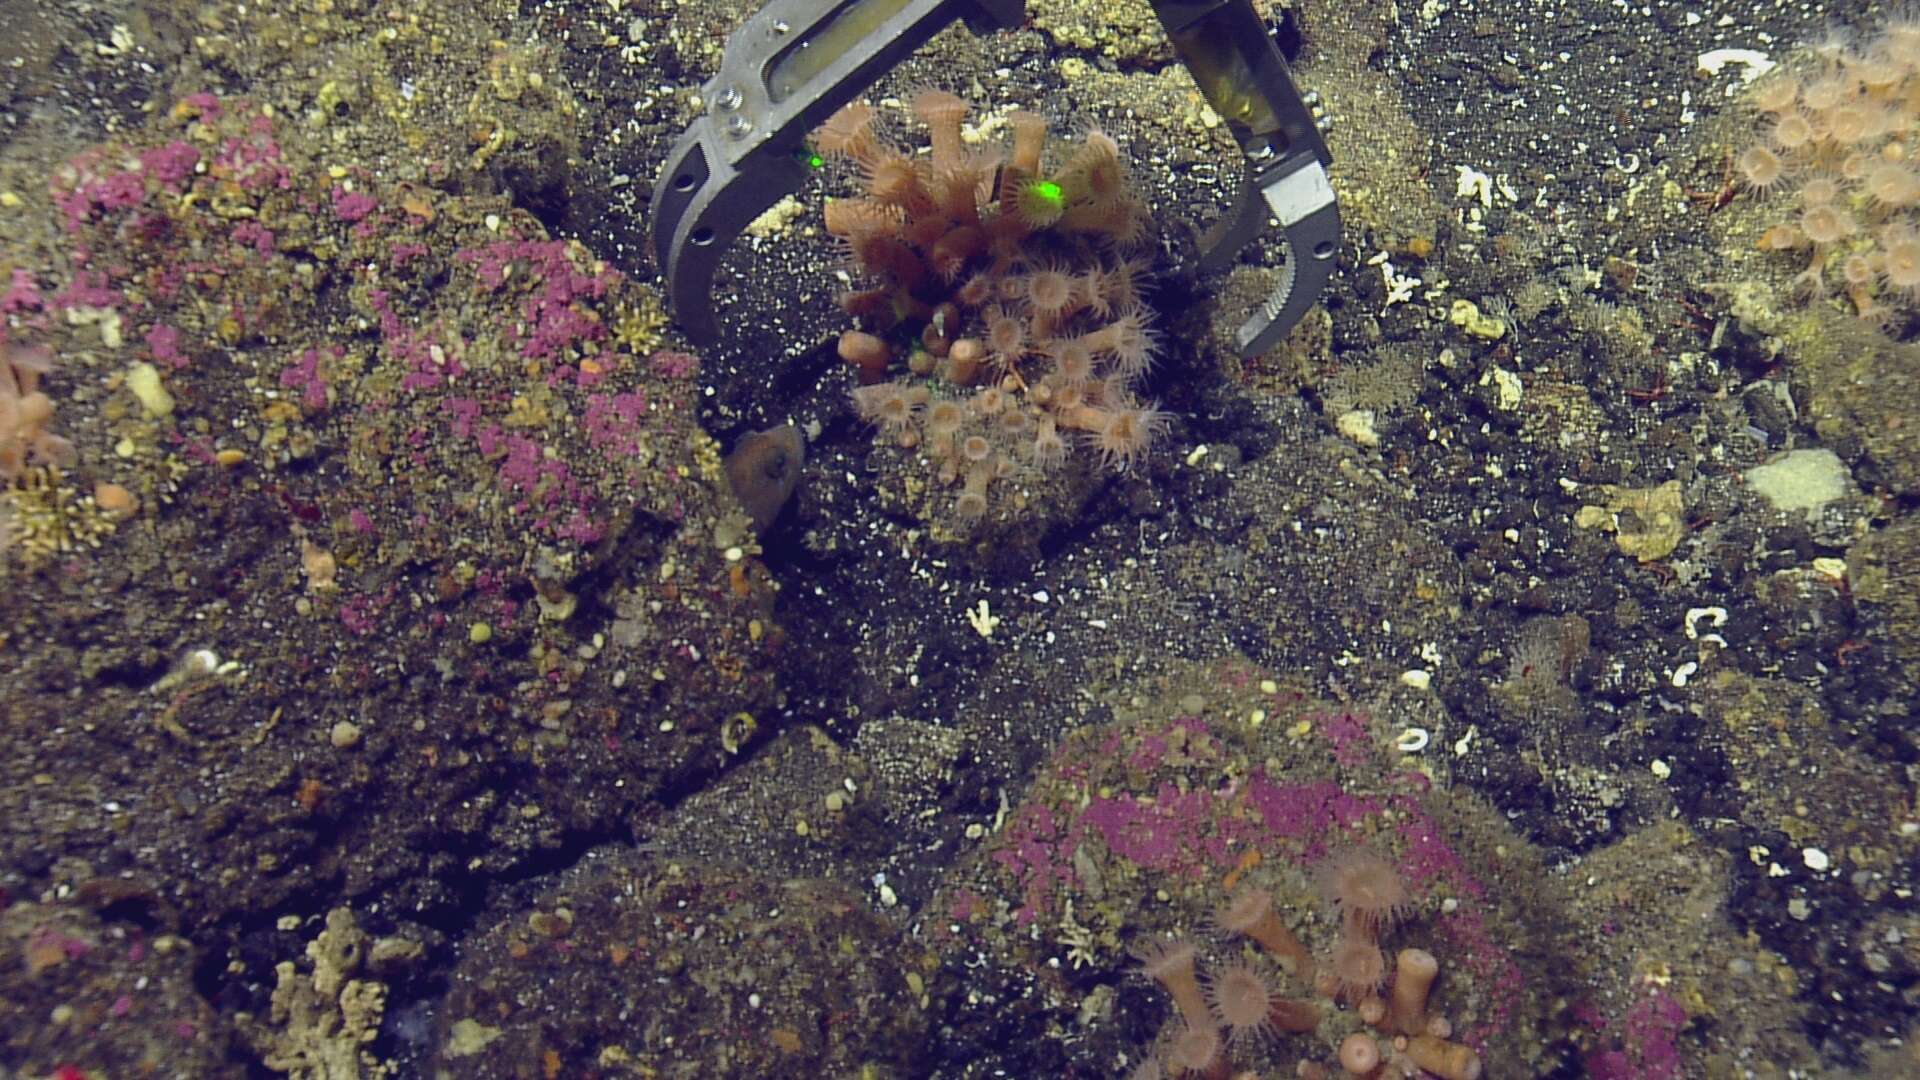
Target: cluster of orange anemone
1001,310
1844,139
26,413
1238,1004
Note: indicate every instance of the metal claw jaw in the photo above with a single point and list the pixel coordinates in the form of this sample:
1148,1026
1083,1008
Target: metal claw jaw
1302,201
702,204
1243,76
783,73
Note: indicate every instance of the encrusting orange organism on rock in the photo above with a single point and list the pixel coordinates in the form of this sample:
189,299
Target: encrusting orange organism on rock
1250,913
1413,973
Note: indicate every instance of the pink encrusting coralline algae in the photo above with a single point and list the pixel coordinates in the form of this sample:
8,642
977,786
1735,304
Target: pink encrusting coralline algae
1641,1043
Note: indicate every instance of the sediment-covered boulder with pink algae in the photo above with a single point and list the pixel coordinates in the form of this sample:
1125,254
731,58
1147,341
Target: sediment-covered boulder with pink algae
1227,781
424,528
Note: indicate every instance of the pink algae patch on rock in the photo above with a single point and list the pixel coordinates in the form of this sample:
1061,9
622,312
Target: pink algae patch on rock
557,312
1173,832
1641,1044
1035,853
172,164
1167,825
1348,735
23,293
1148,754
164,341
1306,812
351,206
305,376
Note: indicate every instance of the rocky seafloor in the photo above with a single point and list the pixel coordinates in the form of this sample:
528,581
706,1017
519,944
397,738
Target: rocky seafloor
393,685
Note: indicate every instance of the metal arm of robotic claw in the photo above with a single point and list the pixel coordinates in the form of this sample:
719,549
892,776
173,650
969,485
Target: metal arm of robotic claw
797,61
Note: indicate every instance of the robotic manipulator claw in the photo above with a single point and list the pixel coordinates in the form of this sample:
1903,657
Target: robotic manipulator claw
798,61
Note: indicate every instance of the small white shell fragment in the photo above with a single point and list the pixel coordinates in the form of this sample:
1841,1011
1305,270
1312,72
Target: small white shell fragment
1684,672
1470,184
1753,62
1418,678
1718,615
1412,741
1816,860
